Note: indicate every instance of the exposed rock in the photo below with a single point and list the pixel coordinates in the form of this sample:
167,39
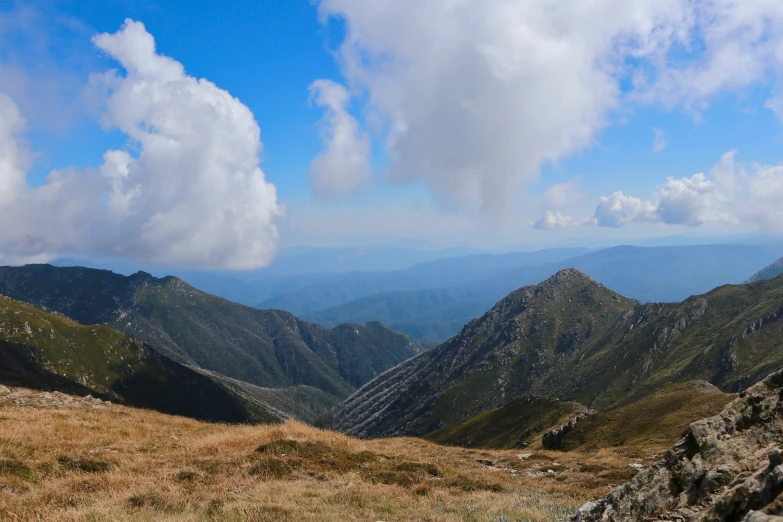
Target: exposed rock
725,468
46,400
554,437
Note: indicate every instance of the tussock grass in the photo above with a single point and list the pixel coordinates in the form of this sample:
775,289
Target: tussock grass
124,464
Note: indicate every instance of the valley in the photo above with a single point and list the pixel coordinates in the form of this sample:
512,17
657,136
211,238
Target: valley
559,393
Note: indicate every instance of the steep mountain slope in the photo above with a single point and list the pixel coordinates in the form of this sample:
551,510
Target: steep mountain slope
670,274
511,351
572,339
268,348
52,352
768,272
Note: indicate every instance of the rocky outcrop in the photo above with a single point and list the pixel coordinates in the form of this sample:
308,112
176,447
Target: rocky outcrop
553,438
725,468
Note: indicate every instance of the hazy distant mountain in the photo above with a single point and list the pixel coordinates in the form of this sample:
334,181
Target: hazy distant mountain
440,273
293,270
572,339
768,272
664,274
268,348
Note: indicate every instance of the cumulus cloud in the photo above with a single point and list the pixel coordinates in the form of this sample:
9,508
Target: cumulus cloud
691,201
730,194
619,210
551,220
344,166
192,194
478,94
765,192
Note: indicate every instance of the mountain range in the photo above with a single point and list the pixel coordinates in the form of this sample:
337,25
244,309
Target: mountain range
244,346
52,352
570,338
656,274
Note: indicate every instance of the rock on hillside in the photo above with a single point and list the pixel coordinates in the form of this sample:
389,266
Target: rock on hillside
725,468
267,348
572,339
519,424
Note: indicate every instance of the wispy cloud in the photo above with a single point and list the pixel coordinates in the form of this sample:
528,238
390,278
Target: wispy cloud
659,140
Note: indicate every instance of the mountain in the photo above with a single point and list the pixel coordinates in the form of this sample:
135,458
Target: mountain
338,289
670,274
51,352
768,272
266,348
572,339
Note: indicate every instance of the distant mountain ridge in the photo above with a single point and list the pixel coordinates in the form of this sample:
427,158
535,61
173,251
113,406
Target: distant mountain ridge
768,272
572,339
654,274
266,348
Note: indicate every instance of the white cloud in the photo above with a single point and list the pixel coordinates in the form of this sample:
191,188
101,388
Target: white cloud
193,195
551,220
765,194
659,140
691,201
733,44
619,210
730,195
344,166
562,195
478,94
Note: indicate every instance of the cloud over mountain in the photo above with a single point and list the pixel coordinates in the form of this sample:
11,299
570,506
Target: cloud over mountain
188,189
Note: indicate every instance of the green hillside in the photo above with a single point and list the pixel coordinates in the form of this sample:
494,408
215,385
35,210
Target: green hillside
519,424
267,348
572,339
52,352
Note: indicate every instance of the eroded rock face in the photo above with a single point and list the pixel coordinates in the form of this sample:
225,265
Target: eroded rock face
553,438
725,468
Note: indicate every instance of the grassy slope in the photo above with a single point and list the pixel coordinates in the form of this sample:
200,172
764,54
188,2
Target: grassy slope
519,424
55,352
119,463
651,421
264,347
572,339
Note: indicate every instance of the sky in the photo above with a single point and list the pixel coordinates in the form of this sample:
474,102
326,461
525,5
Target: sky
214,134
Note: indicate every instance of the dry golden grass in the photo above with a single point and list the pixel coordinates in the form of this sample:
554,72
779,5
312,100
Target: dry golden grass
119,463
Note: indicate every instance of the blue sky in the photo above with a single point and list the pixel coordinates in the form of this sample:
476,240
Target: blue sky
497,124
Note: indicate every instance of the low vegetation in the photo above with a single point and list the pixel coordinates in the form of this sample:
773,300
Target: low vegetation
111,462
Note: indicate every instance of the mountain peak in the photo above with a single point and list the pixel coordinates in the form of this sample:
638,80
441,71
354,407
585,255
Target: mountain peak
569,275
